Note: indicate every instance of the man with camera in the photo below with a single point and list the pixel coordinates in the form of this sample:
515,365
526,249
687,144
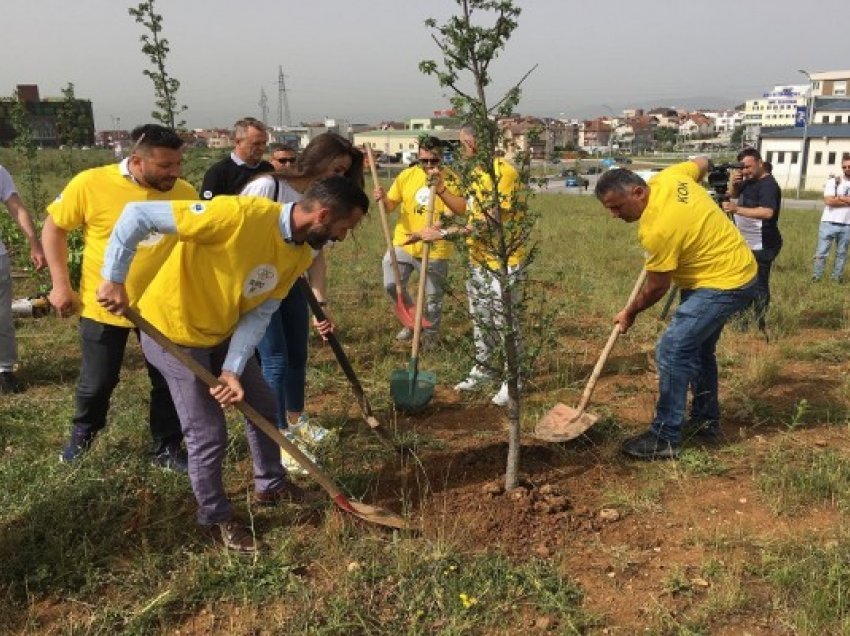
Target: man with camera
689,242
756,214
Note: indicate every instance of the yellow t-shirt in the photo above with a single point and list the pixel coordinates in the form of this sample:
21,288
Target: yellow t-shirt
410,188
482,195
230,258
685,233
93,200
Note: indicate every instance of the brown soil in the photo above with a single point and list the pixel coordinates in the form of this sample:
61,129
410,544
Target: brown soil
574,509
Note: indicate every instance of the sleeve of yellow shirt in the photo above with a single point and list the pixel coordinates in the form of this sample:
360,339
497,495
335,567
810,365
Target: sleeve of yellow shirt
662,252
68,209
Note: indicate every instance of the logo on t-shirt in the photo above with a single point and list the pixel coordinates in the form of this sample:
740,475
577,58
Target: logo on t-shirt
421,198
263,278
198,208
206,194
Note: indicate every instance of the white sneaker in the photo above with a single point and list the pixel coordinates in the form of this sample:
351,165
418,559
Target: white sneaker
289,463
501,398
311,434
405,335
475,380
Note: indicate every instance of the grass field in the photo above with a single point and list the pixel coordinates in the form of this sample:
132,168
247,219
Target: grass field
750,537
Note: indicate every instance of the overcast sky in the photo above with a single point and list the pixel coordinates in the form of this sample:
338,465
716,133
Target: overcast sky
358,59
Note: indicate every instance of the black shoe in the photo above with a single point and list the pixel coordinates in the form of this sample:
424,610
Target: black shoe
702,433
649,446
172,457
8,383
78,444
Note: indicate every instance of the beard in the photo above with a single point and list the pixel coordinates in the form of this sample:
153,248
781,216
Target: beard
317,237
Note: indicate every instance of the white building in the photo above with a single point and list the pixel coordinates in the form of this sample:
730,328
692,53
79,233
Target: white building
827,145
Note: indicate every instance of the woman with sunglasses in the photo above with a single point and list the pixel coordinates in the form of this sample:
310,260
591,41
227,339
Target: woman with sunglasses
411,189
283,349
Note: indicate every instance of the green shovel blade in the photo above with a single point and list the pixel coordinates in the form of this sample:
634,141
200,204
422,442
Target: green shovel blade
411,389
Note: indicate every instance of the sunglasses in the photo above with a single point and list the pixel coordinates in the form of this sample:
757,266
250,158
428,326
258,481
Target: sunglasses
285,160
430,162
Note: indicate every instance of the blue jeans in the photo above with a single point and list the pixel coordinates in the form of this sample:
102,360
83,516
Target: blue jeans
283,353
828,233
685,357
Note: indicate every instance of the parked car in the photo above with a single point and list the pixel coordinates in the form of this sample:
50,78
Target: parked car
622,159
594,170
573,179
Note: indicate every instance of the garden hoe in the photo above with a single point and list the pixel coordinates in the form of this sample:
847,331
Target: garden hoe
372,514
362,400
401,309
563,423
411,389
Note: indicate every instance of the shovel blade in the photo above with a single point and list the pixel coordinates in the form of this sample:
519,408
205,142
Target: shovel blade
406,314
563,423
412,389
373,514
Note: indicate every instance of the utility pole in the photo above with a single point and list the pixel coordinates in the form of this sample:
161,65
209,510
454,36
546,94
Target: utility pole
805,148
264,106
284,117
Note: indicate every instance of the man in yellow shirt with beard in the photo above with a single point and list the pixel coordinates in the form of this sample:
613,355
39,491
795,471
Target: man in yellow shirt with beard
411,190
688,241
237,257
93,201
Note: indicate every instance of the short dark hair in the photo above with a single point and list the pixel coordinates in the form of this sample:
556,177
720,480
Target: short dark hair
430,143
768,167
749,152
339,194
274,147
617,179
149,136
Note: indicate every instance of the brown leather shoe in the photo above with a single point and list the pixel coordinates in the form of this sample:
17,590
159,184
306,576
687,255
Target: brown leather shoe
288,493
234,536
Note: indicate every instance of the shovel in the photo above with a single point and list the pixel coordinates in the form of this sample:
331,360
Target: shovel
372,514
412,389
563,423
362,400
401,309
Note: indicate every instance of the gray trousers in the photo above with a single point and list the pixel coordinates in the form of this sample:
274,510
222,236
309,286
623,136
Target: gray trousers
435,284
8,346
485,309
205,428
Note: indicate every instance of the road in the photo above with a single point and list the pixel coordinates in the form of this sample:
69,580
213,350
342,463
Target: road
556,186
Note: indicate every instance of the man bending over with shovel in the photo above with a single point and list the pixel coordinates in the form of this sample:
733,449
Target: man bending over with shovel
236,258
688,241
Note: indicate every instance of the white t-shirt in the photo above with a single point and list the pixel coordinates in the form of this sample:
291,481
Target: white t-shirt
7,189
265,187
835,213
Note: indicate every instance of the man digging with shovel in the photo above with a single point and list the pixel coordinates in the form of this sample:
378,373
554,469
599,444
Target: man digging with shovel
237,257
689,242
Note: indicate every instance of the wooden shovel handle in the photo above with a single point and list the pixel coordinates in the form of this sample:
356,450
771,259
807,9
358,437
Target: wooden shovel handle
384,223
423,275
203,374
603,357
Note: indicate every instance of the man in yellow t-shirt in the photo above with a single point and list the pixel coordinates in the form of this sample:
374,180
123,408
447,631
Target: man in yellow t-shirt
236,258
690,242
410,190
484,287
93,201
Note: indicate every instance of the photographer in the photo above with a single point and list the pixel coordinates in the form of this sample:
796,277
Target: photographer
756,211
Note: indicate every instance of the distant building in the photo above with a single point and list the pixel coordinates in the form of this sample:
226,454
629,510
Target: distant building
44,115
828,145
